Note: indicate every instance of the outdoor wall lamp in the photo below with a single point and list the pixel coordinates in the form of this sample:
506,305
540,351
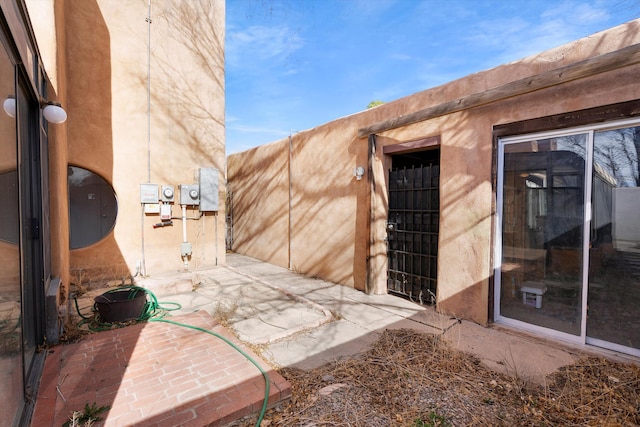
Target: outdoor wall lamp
52,111
9,106
358,172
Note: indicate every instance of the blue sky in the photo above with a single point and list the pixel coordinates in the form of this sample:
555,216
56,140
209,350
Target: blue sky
292,65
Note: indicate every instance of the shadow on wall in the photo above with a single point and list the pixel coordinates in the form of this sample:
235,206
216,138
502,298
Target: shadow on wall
191,106
465,209
260,185
90,137
186,65
329,205
321,230
463,112
464,304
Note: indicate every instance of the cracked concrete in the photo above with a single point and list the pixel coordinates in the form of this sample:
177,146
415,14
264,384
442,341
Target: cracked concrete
306,322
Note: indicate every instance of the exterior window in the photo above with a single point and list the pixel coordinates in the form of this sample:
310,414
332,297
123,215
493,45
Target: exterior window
92,207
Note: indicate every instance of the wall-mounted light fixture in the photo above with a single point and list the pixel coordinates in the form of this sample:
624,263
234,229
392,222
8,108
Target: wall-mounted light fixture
52,111
358,172
9,106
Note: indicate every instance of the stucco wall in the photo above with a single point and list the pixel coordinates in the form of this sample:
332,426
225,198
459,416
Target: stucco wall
138,112
326,216
263,184
332,234
109,67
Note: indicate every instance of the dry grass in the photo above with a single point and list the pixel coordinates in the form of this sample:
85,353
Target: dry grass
411,379
224,312
594,392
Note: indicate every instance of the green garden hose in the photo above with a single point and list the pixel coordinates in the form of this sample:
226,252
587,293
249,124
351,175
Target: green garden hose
239,350
152,308
155,312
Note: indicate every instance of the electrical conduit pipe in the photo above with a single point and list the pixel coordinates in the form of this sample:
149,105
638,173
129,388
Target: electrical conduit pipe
186,247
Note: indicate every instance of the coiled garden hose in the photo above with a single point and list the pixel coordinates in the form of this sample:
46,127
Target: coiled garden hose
156,312
152,308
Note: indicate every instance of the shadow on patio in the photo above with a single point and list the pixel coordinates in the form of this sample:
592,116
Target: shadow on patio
160,374
157,374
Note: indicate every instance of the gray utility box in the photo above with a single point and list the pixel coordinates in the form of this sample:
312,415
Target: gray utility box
209,190
189,194
167,194
149,193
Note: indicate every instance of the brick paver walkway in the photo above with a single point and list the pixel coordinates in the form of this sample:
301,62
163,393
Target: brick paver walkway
156,374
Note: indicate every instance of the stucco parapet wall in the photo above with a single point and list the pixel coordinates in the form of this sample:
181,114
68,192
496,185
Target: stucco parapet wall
605,51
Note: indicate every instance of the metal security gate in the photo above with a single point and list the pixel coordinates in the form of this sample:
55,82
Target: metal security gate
412,232
228,238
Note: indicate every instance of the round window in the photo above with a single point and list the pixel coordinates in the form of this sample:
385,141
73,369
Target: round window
92,207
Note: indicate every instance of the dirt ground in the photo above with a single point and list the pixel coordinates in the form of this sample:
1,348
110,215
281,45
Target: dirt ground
411,379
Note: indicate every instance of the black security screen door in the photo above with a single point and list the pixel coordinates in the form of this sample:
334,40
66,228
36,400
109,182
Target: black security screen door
412,232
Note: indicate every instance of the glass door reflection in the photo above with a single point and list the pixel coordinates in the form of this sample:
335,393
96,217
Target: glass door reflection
542,232
614,256
11,325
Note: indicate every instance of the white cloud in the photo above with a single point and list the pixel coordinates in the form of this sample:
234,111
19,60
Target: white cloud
257,129
581,14
498,32
267,45
517,37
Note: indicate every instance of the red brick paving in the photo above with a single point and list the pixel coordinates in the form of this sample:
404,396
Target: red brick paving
156,374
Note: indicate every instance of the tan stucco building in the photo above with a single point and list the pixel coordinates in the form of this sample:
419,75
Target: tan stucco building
484,196
507,196
142,85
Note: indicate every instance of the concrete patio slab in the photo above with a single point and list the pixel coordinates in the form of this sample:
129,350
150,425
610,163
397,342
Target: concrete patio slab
293,320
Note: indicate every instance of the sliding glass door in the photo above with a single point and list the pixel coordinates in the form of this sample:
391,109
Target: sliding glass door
568,235
614,256
24,235
11,313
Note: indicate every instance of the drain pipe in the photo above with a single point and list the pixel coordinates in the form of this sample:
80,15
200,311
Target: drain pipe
149,21
215,215
185,248
143,268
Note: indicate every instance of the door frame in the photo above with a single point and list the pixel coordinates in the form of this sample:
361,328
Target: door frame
34,235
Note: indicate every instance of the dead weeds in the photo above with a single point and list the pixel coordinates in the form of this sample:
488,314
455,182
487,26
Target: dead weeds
412,379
